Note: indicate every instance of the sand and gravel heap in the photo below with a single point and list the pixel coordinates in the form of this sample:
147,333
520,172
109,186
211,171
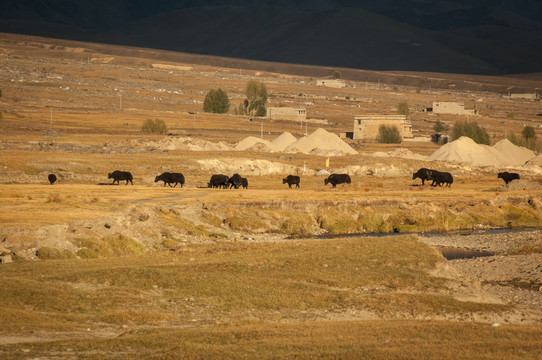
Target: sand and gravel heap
537,160
464,150
321,142
252,143
513,155
521,185
247,166
283,141
172,143
401,153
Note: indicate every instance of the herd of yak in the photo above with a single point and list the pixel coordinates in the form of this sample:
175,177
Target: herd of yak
236,181
445,178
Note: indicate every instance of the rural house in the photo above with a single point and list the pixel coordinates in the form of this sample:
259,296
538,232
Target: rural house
287,113
451,108
532,96
335,83
366,126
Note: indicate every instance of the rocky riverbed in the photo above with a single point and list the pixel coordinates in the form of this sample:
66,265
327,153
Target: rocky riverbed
512,274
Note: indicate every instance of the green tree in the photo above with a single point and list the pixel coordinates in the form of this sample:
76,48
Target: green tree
216,101
438,127
242,109
528,133
257,97
156,126
389,135
471,130
402,108
336,74
532,143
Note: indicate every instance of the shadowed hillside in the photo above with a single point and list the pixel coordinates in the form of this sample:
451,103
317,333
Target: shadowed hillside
476,37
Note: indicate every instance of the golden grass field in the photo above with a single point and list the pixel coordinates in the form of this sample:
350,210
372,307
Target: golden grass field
146,271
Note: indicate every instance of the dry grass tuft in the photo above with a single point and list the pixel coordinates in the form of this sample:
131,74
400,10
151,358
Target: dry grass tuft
48,253
528,249
55,198
116,245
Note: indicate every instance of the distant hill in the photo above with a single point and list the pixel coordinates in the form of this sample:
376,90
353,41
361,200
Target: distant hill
454,36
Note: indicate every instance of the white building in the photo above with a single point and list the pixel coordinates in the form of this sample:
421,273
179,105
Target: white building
335,83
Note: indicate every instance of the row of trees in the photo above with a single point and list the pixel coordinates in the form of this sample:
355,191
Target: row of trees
217,101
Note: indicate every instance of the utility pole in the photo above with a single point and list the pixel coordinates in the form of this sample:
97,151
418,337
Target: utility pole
195,108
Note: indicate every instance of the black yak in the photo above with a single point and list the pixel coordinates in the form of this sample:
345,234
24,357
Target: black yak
440,178
335,179
235,181
508,176
244,183
52,178
291,180
218,180
170,178
118,175
424,174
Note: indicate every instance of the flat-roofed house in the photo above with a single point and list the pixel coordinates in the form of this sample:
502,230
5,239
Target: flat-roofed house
366,127
533,96
452,108
287,113
336,83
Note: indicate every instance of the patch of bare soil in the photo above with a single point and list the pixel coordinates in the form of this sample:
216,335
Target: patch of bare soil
513,279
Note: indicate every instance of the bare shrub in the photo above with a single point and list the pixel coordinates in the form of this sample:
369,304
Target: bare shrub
156,126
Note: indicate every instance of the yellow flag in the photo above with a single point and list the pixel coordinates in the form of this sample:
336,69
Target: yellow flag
327,162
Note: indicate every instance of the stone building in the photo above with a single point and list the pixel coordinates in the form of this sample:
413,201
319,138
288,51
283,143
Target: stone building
533,96
366,126
452,108
287,113
336,83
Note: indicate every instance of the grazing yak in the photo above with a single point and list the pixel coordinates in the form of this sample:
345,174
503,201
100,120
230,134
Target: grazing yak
118,175
170,178
335,179
52,178
218,181
440,178
424,174
235,181
291,180
508,176
244,183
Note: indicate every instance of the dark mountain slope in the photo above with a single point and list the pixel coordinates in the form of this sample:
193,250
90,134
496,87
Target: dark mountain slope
460,36
343,38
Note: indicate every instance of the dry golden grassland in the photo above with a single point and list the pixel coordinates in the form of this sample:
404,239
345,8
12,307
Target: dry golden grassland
275,299
146,271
